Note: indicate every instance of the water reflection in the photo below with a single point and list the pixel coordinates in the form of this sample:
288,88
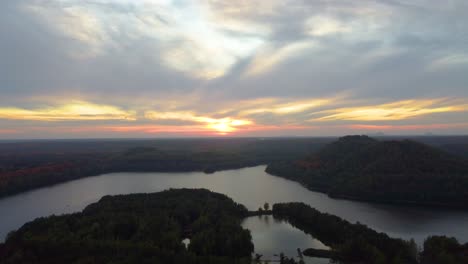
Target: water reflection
249,186
272,237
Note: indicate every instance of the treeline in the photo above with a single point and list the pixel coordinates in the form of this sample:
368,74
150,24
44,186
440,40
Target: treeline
353,243
444,250
138,228
356,243
151,228
25,166
359,167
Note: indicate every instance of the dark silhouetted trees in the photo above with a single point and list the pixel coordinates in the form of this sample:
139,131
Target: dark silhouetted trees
359,167
138,228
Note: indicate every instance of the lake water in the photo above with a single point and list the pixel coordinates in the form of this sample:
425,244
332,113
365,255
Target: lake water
249,186
272,237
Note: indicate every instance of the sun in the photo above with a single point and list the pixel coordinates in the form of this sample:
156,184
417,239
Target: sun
225,126
222,127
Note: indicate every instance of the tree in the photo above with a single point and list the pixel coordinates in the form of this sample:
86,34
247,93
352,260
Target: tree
266,206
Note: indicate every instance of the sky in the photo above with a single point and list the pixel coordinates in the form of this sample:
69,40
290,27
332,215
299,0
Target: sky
179,68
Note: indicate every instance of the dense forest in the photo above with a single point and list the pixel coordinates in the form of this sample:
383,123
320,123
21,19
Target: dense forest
138,228
28,165
151,228
404,171
352,243
444,250
356,243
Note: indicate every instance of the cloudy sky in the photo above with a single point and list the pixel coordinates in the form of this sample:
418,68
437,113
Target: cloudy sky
170,68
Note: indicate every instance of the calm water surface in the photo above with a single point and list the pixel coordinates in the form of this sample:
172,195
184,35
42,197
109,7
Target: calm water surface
249,186
271,237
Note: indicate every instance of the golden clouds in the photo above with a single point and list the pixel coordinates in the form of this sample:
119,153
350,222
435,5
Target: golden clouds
243,117
74,111
282,108
399,110
237,116
222,125
424,127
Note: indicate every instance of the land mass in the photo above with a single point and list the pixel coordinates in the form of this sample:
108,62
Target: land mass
151,228
138,228
395,171
27,165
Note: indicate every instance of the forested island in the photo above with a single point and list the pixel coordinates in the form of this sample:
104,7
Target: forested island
391,171
150,228
138,228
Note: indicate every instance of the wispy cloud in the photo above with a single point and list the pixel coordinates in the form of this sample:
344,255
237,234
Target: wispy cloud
188,37
275,106
270,57
76,22
75,111
322,26
449,61
232,67
400,110
415,127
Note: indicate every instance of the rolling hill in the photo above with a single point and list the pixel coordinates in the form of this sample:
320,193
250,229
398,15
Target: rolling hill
359,167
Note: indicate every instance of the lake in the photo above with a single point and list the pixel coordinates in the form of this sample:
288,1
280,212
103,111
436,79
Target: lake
249,186
272,237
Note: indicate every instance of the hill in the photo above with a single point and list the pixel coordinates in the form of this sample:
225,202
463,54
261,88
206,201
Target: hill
404,171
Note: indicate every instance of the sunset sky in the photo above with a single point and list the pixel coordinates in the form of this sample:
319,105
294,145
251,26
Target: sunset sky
162,68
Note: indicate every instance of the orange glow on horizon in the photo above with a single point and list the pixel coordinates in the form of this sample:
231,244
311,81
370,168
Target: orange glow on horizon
8,131
262,116
221,125
186,130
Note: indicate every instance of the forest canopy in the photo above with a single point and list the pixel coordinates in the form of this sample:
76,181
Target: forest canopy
138,228
395,171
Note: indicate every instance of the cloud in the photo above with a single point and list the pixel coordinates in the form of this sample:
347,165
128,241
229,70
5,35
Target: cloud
415,127
391,111
283,108
188,37
449,61
75,22
268,62
270,57
321,26
75,111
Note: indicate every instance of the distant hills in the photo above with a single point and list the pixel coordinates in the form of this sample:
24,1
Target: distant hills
29,165
403,171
